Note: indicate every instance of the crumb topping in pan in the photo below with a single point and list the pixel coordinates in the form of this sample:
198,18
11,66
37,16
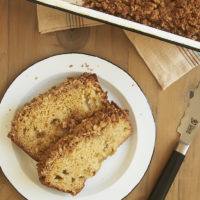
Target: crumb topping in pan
181,17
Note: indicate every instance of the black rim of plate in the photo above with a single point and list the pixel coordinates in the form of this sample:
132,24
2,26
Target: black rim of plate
123,71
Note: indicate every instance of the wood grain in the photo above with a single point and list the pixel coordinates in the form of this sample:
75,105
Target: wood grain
21,45
3,45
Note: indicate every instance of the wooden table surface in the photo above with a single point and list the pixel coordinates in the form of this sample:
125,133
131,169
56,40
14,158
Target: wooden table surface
21,45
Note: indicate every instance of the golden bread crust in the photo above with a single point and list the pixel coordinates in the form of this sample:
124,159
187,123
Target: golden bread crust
46,118
105,130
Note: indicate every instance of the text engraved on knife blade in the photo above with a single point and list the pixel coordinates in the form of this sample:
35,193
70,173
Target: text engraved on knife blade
192,125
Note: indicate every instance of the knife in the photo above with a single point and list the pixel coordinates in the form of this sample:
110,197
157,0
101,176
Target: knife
188,127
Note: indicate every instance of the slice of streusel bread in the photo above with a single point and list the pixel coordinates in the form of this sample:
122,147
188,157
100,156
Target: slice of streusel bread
45,119
78,155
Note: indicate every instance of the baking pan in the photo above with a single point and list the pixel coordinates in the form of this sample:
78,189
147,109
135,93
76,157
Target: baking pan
74,7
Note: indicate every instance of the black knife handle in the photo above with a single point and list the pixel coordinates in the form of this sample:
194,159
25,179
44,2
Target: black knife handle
167,176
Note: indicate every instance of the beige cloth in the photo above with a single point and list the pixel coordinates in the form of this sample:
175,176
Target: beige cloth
167,62
50,20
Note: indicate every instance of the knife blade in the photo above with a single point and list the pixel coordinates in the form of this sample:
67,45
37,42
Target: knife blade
188,127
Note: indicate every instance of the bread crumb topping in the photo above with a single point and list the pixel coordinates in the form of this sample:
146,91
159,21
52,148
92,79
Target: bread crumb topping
181,17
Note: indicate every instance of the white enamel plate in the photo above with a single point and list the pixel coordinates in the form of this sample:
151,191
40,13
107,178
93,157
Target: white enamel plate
120,173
